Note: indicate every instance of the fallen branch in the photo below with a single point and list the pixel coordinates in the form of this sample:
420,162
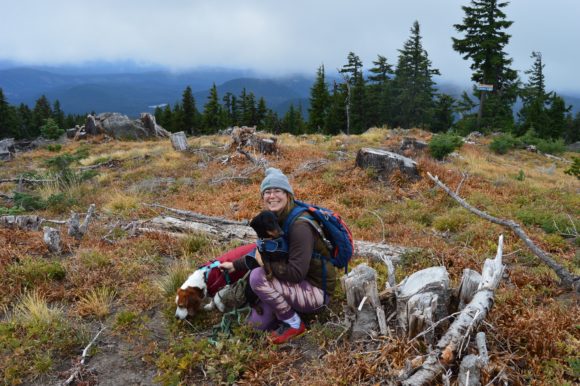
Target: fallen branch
26,180
568,279
79,367
468,319
224,229
262,162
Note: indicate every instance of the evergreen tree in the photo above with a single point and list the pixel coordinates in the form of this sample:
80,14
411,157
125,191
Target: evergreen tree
230,108
212,112
158,113
247,111
51,130
413,83
261,113
293,121
40,114
319,102
443,110
557,114
380,95
572,132
5,129
167,119
177,119
25,130
336,117
58,114
483,43
356,99
189,112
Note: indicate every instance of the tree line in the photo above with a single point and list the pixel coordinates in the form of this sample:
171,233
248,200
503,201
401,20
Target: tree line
402,95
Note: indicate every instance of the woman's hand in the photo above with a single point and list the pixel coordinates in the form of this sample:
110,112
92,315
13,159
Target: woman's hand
228,266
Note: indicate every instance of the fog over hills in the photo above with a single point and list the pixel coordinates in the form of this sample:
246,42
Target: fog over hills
100,89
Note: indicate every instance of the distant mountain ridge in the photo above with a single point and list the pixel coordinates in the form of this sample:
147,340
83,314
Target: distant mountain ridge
134,92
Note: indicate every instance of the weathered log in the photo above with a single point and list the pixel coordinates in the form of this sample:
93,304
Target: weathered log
482,348
469,371
469,284
567,278
362,297
385,163
179,141
224,229
454,340
7,149
265,145
52,239
413,144
26,180
422,298
27,222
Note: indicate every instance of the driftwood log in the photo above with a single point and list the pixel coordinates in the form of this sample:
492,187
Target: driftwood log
179,141
27,222
225,229
455,340
567,278
363,303
77,230
385,163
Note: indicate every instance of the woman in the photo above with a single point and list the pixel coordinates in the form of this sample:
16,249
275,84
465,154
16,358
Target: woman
297,285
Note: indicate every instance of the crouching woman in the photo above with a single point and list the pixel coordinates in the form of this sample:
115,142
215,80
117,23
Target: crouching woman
300,284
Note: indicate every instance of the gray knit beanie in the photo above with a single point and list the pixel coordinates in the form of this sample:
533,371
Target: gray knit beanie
275,179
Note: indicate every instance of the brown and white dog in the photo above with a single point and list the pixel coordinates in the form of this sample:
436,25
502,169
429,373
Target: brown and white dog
208,282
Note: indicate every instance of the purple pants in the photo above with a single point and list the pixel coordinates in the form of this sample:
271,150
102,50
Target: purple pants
279,300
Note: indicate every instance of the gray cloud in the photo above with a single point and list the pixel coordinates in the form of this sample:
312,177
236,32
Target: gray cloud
276,37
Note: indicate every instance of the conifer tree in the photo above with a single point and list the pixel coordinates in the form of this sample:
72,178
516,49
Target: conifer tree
261,113
442,117
229,108
212,112
58,114
5,130
40,114
188,112
380,93
413,83
356,99
483,43
336,117
25,120
319,102
293,122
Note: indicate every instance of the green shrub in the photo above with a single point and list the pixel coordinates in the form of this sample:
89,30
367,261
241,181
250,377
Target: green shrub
11,211
54,148
60,202
551,146
503,143
574,170
29,201
31,272
444,144
51,130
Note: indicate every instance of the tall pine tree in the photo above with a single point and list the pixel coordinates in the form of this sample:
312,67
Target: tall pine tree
380,93
188,112
413,83
212,114
319,103
483,43
352,73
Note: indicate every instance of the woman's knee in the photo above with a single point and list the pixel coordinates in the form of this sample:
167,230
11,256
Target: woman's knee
257,277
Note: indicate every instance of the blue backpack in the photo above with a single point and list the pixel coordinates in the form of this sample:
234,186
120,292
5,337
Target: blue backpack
331,228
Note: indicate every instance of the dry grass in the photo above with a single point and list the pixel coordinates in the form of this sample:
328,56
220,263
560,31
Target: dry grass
97,302
533,337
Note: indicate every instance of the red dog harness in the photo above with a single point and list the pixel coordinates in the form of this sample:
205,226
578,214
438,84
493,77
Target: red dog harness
216,279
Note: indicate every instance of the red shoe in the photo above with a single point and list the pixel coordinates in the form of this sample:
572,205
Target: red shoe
285,333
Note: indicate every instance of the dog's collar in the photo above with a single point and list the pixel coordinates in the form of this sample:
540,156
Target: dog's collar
214,264
272,245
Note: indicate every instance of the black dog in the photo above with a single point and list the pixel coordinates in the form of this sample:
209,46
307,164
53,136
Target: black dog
271,245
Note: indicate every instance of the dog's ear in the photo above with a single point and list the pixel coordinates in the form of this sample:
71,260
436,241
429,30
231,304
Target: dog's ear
190,298
275,233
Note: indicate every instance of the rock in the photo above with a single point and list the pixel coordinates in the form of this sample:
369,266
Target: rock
575,147
7,149
71,133
386,163
413,144
91,125
120,126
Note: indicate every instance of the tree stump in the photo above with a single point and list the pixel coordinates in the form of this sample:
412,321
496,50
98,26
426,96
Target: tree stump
363,302
265,145
7,149
422,299
413,144
179,141
385,163
52,239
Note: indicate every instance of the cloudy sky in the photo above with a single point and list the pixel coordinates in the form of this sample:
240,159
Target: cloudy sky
276,37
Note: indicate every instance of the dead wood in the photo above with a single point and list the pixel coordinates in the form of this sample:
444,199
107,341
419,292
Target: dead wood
76,371
225,229
27,222
77,230
385,163
363,302
567,279
52,239
455,340
21,180
179,141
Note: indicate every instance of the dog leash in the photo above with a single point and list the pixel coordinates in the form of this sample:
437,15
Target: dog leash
225,326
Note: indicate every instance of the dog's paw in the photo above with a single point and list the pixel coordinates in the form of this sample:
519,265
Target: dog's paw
210,306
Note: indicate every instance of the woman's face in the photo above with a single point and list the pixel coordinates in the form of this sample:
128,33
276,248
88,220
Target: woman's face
275,199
